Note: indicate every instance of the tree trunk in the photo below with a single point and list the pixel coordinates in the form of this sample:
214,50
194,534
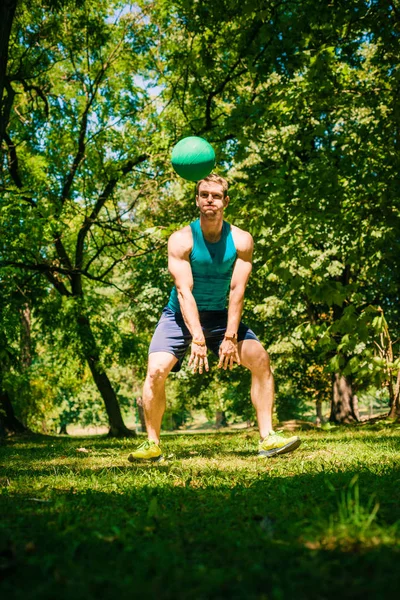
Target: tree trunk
395,400
355,407
140,408
63,429
344,406
26,344
7,12
92,355
320,416
9,424
220,419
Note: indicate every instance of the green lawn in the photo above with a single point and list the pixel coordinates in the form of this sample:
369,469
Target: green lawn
212,522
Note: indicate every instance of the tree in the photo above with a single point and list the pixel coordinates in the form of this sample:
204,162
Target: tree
300,107
305,121
77,134
15,348
7,12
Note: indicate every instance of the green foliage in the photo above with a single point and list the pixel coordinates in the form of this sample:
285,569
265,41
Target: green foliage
303,126
299,102
217,390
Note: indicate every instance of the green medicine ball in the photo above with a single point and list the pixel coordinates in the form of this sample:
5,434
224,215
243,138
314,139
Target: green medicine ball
193,158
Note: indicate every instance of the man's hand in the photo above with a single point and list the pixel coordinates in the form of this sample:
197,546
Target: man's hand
228,354
198,357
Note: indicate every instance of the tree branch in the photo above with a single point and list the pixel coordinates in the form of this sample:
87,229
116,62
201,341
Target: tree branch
78,157
13,161
46,269
59,285
123,258
62,253
100,249
104,196
84,122
88,222
7,13
40,93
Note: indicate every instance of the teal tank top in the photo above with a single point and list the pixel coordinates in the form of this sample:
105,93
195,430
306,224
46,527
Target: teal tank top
212,266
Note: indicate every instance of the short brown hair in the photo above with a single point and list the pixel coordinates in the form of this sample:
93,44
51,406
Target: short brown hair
214,179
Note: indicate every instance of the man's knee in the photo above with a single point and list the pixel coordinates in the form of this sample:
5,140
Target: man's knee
261,363
157,372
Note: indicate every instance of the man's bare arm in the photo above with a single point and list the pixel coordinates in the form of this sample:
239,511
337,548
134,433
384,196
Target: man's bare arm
240,276
179,247
181,271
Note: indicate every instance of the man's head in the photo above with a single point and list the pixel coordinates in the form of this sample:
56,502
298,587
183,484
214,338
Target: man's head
214,179
211,195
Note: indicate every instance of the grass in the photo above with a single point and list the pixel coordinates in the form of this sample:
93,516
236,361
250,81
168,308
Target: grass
212,522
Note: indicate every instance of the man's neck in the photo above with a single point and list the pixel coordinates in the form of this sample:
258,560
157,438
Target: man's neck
211,228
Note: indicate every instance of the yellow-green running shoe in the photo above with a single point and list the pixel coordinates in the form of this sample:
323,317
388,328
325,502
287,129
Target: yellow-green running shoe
276,443
149,450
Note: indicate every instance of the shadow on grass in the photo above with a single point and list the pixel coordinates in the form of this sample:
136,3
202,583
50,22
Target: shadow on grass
193,537
206,445
367,439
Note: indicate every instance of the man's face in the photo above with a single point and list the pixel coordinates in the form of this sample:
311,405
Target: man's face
210,199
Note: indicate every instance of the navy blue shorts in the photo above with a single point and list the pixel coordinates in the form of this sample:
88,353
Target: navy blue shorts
172,335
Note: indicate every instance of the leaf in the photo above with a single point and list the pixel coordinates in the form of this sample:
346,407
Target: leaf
153,511
40,500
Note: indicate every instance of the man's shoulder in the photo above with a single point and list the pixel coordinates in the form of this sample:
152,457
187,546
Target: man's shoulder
243,239
182,234
181,239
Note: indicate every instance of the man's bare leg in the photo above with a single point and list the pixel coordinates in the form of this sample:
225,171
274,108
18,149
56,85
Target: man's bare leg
255,358
158,368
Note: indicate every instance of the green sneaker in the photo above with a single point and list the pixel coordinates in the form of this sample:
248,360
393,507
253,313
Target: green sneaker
275,444
149,450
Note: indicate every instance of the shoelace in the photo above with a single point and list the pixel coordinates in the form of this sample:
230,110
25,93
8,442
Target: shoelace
272,434
146,445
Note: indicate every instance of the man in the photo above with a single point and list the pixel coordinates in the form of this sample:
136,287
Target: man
207,259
